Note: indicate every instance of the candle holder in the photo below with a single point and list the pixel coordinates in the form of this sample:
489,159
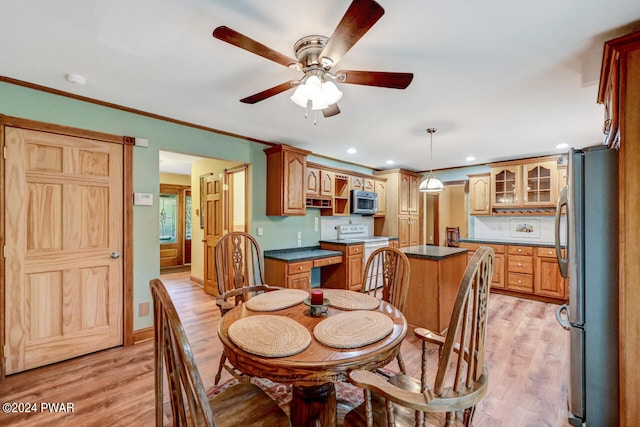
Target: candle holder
318,309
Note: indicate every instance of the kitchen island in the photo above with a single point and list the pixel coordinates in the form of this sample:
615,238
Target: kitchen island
436,272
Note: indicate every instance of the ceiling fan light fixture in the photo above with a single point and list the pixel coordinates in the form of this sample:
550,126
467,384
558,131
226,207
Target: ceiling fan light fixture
300,97
431,184
331,93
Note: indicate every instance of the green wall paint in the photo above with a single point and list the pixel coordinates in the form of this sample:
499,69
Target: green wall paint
279,232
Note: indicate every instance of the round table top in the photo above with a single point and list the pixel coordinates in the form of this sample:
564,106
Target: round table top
316,364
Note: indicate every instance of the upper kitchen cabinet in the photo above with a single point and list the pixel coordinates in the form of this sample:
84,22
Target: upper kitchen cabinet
380,188
363,184
286,175
527,184
319,182
480,194
408,202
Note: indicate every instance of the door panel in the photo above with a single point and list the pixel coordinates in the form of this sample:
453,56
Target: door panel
213,229
63,221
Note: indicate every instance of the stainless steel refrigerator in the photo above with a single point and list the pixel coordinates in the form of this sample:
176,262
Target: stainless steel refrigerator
590,201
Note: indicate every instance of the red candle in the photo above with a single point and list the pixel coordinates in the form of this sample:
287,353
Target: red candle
317,297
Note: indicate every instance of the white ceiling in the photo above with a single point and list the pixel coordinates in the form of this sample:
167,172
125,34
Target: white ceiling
176,162
499,79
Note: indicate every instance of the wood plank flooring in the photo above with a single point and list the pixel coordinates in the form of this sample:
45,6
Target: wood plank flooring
527,356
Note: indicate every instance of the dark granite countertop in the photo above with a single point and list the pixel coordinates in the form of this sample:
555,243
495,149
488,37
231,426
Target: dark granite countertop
300,254
435,253
506,242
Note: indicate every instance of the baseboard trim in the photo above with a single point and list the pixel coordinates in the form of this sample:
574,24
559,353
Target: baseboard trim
142,335
197,280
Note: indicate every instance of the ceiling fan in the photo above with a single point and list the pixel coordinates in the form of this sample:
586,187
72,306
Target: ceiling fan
316,55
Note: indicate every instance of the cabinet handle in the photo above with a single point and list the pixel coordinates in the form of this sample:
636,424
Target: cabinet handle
550,252
519,264
300,268
519,250
519,282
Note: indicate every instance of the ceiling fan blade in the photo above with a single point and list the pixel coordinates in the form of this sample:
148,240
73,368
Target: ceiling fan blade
233,37
331,110
375,78
357,20
261,96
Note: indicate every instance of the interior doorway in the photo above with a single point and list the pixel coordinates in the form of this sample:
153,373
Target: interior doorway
191,173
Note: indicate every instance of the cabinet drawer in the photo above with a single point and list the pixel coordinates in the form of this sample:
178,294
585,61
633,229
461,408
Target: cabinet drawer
299,267
355,249
520,264
327,261
546,252
499,249
520,282
520,250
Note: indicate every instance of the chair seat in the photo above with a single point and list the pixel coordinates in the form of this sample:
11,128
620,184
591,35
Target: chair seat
245,404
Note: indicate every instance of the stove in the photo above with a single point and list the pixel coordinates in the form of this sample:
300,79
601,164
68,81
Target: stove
360,232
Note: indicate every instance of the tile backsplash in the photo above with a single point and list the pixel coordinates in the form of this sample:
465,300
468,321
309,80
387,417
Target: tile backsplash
535,229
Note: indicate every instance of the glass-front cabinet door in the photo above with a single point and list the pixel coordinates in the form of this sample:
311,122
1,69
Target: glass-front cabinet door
540,184
505,188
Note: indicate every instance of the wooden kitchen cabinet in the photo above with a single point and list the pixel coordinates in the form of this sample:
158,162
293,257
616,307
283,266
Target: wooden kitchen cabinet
497,281
296,274
347,275
362,184
528,184
401,207
480,194
319,182
380,188
548,280
286,173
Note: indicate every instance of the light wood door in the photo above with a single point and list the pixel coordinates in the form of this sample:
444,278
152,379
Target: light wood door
213,228
64,238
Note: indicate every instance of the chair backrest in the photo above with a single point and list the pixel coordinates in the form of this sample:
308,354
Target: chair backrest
461,362
386,276
239,262
189,402
453,236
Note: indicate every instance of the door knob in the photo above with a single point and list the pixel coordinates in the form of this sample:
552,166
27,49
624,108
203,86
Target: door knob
115,255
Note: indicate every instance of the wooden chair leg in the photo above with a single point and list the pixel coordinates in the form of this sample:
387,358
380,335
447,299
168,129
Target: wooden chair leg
468,416
451,418
223,359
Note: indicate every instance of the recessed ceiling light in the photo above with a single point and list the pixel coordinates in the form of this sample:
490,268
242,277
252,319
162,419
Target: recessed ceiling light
390,162
75,79
352,151
562,145
470,159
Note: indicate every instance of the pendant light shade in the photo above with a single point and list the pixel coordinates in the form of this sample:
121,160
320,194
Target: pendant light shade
431,184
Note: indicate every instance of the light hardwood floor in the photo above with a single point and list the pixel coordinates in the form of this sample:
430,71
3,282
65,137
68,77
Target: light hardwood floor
527,356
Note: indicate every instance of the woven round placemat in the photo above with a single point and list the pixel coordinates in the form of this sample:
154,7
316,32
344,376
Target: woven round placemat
276,300
353,329
269,336
350,300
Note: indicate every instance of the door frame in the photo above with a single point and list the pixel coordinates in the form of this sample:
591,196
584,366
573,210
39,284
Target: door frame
127,210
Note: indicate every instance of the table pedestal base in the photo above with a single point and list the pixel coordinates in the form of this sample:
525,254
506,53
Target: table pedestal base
313,405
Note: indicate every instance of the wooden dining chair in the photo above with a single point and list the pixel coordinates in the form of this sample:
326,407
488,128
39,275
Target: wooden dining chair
462,376
241,404
386,277
453,236
239,272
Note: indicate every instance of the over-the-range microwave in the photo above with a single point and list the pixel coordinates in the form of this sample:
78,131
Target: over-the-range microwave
364,202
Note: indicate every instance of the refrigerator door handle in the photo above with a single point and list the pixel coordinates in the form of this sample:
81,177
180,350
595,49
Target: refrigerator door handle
563,262
565,323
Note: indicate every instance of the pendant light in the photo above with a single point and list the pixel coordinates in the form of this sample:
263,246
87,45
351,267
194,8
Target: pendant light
431,184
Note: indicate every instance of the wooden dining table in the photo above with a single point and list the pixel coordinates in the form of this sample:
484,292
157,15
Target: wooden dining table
314,371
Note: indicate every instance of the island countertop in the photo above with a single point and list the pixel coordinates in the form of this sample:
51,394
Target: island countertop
433,252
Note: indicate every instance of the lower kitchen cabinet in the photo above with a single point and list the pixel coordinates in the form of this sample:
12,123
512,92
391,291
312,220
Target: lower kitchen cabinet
347,275
497,281
549,282
295,274
525,271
